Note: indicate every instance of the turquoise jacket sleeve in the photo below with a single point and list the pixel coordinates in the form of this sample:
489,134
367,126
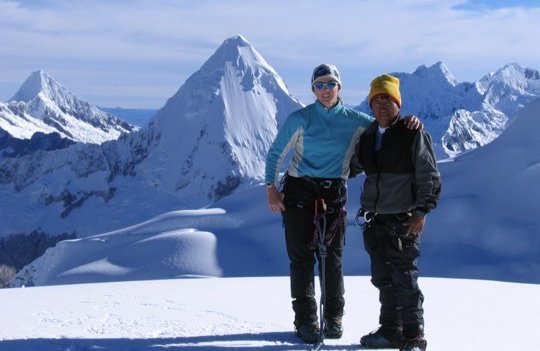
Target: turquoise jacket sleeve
286,138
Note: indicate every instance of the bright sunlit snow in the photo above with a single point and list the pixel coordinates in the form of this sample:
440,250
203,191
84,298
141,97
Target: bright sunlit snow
252,314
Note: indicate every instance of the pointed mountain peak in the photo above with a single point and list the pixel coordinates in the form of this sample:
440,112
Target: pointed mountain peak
512,74
514,68
32,86
232,47
437,70
510,69
239,51
56,107
40,82
236,40
219,125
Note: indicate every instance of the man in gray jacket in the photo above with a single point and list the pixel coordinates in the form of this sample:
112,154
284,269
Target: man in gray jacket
402,185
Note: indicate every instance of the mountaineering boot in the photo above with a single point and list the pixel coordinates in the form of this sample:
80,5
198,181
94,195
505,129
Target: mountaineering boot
308,332
415,344
333,328
383,338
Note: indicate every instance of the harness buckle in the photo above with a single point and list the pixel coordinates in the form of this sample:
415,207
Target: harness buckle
326,184
366,216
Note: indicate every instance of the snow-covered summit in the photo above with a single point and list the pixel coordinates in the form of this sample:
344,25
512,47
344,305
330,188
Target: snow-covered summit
39,82
437,72
44,105
215,131
243,55
510,88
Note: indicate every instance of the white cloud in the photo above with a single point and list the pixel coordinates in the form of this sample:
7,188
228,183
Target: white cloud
169,40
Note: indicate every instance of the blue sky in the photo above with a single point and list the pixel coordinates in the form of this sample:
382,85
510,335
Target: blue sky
496,4
138,53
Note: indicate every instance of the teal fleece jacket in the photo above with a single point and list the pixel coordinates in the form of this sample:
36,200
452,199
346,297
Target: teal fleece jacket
323,142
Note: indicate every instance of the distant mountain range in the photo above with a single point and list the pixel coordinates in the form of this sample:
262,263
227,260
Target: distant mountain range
460,116
207,142
463,116
209,139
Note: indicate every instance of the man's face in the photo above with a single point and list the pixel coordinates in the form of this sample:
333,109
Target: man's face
326,93
385,109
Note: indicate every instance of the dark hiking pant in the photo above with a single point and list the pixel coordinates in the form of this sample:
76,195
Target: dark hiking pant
298,219
394,272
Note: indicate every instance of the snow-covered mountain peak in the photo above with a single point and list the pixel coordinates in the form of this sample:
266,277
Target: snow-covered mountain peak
513,75
39,82
232,48
437,72
431,93
215,131
510,88
42,104
31,87
242,55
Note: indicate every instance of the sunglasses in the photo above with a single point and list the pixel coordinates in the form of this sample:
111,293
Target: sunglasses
321,86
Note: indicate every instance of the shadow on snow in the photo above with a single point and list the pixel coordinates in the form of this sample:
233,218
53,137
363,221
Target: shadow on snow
275,341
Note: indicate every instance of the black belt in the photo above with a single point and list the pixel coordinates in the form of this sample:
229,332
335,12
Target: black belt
324,183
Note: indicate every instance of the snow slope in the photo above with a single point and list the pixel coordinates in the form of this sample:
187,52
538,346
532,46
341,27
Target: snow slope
168,246
252,314
488,219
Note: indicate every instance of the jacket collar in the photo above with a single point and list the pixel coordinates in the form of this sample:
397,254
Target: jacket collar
373,127
337,108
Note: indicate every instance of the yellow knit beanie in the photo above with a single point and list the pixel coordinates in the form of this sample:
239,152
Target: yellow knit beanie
385,84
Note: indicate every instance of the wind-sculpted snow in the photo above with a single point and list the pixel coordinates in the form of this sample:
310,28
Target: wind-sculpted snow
172,245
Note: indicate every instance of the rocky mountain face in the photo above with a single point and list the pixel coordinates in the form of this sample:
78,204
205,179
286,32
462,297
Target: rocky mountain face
13,147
